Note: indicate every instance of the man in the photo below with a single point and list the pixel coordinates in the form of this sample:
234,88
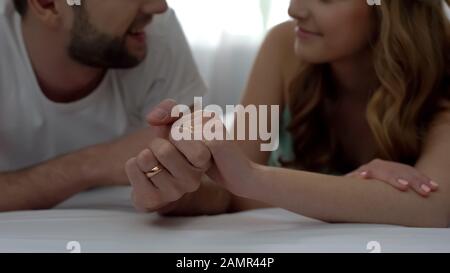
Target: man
75,85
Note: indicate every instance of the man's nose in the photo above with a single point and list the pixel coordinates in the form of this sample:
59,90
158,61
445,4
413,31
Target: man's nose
154,6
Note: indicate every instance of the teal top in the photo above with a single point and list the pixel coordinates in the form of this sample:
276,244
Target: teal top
285,150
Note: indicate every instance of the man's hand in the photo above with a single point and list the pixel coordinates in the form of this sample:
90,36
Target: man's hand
183,165
107,161
183,162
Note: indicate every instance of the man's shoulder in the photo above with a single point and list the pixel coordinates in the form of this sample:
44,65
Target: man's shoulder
7,25
3,5
7,14
10,47
6,8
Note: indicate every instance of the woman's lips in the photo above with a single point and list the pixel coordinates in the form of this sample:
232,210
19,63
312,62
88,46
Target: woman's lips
306,34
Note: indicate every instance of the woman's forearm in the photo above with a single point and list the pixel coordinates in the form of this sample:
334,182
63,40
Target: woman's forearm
344,199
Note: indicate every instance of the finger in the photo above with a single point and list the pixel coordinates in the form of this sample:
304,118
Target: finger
388,177
433,186
145,195
185,175
169,188
160,115
364,174
402,183
353,174
420,185
146,161
163,181
419,182
359,173
195,151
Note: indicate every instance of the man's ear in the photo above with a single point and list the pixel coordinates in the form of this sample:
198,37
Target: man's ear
46,11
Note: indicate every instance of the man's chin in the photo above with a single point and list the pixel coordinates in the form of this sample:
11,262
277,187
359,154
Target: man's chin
127,61
137,52
131,59
139,57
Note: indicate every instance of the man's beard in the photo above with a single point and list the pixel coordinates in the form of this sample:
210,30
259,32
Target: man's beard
91,47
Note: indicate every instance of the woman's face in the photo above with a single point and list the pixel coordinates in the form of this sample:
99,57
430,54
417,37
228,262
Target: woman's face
330,30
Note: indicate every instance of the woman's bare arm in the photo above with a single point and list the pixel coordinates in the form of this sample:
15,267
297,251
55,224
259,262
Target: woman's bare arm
346,199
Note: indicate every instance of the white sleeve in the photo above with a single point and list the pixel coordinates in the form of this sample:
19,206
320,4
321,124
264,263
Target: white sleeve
178,76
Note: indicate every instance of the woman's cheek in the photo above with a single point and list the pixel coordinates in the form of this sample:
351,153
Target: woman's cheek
345,40
346,30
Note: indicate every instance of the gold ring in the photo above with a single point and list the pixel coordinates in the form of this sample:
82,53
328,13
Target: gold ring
154,171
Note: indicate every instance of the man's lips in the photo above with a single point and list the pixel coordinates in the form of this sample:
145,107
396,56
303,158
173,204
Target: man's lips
137,30
139,36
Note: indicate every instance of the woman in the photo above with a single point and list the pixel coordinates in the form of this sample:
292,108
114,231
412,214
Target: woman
359,85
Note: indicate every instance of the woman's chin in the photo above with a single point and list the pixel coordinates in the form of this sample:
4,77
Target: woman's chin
309,55
309,58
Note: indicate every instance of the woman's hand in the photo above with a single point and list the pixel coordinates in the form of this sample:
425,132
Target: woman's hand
231,168
400,176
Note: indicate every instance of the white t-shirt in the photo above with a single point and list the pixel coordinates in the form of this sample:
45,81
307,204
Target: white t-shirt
34,129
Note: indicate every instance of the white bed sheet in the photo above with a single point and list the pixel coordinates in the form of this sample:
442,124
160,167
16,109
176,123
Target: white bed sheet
103,220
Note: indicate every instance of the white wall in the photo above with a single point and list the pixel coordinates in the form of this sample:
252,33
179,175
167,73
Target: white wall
225,36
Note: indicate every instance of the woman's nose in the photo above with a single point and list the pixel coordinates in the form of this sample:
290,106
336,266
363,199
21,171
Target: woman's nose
298,9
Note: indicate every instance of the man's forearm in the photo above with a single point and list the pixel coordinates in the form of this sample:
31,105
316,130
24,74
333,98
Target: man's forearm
49,183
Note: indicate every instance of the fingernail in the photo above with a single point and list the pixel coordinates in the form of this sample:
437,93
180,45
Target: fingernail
403,182
434,184
159,114
364,173
425,188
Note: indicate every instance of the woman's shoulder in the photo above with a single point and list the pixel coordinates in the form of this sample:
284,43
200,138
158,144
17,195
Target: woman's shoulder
281,41
282,37
283,33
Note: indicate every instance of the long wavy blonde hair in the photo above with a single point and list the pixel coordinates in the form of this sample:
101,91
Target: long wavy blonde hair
411,60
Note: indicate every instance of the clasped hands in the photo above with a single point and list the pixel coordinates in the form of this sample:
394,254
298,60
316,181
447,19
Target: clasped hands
169,169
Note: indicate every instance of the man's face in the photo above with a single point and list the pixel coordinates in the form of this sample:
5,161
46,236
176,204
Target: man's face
110,34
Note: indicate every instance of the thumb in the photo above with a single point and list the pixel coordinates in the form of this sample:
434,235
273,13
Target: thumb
160,115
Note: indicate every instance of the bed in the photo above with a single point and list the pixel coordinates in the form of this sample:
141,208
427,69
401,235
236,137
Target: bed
103,220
